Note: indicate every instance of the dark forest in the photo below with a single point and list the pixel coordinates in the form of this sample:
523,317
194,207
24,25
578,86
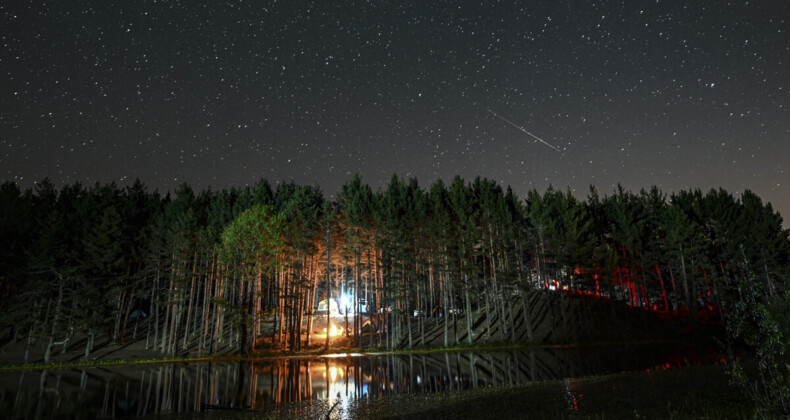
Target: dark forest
207,269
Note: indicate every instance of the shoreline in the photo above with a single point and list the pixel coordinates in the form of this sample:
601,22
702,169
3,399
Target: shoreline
139,349
311,353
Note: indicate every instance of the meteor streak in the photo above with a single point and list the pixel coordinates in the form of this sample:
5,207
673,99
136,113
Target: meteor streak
514,125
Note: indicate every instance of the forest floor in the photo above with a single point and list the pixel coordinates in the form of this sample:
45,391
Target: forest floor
138,348
13,353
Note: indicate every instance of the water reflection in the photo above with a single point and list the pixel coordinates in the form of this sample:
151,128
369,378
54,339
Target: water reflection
262,385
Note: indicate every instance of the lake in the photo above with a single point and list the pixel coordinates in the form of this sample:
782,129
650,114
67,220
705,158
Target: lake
333,381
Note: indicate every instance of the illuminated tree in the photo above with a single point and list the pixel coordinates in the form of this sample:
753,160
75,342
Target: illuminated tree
250,246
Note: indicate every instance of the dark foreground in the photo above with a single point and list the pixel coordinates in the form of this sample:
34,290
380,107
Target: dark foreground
697,392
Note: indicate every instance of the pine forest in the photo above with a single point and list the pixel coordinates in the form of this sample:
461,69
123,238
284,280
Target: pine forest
232,270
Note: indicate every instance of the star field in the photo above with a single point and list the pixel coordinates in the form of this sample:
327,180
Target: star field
668,93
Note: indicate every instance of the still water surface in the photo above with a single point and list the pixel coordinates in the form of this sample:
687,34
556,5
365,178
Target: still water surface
147,390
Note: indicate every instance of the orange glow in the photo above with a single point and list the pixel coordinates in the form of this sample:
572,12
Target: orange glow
334,372
334,331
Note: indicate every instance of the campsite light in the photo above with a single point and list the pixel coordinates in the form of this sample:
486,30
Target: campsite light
345,302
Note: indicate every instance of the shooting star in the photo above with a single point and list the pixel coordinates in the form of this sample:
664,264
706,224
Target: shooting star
514,125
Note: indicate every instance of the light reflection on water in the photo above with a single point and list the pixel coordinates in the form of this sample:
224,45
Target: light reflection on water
334,380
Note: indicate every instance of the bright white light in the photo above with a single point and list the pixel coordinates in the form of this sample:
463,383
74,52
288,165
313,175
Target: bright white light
345,302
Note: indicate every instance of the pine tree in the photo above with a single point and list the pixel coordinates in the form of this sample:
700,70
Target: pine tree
104,278
250,245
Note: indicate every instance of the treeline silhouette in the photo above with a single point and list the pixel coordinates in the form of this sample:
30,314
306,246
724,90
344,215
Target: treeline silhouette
227,270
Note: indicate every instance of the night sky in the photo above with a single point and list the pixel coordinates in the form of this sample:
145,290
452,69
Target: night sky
684,94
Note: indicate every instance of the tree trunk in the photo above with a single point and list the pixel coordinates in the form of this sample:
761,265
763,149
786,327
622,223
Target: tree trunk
155,309
406,305
89,343
119,313
243,298
48,351
444,312
468,315
55,322
328,281
685,279
527,320
128,304
190,300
